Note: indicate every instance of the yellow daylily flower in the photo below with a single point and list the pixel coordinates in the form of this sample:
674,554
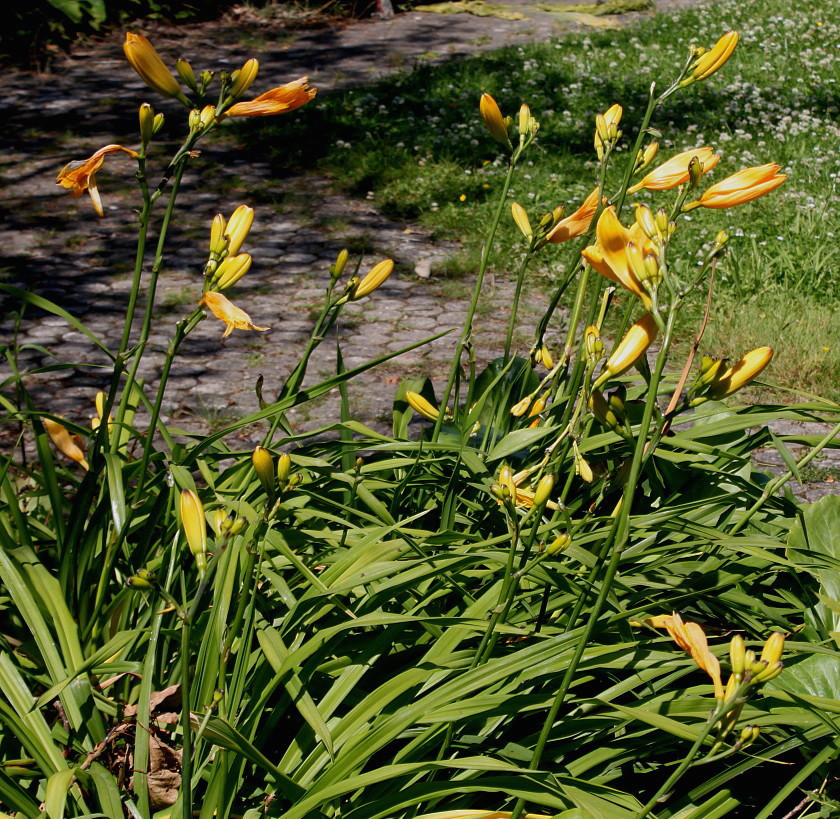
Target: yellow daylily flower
578,223
276,101
80,175
232,316
67,444
609,256
741,187
675,171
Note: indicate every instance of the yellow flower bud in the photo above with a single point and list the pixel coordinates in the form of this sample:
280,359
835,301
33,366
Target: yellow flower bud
158,123
536,409
421,405
186,73
218,240
143,58
559,544
593,343
599,407
645,220
736,655
492,116
375,277
137,582
631,348
520,408
244,77
264,467
147,123
340,263
543,491
195,528
583,469
220,522
646,157
521,218
231,270
506,480
713,59
524,121
544,357
741,373
773,648
238,227
284,467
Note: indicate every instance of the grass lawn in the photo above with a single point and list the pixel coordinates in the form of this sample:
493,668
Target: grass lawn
416,146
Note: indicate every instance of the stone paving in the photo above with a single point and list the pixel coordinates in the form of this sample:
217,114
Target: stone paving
55,246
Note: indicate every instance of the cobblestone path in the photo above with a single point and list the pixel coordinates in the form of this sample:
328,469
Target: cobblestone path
54,246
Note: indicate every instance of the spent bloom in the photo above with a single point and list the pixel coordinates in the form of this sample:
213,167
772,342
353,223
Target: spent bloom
67,444
143,58
675,171
578,223
277,101
232,316
80,175
741,187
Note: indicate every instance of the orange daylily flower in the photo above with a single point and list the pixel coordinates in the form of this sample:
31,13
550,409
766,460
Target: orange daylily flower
578,223
691,638
675,171
741,187
69,445
277,101
609,256
80,175
232,316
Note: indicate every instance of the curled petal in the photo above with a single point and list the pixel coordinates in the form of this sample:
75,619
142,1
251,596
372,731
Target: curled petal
675,171
578,223
69,445
80,175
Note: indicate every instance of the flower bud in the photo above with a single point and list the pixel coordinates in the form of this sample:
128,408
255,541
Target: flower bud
521,407
421,405
195,528
264,467
237,525
695,171
645,220
220,522
238,227
536,409
492,116
559,544
143,58
243,78
713,59
741,373
147,123
524,122
599,407
337,268
218,240
543,491
544,357
631,348
231,270
374,278
284,468
137,582
506,480
736,655
662,221
770,672
646,157
186,73
520,216
594,345
772,651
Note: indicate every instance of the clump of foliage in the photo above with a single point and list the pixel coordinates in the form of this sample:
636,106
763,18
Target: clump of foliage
466,620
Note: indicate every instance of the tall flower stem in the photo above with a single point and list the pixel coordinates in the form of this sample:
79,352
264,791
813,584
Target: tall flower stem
466,333
520,278
618,537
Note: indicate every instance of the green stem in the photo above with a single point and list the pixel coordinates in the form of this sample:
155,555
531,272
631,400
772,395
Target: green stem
466,333
618,537
520,278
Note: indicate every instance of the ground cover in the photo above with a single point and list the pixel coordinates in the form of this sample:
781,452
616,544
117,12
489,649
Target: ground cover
407,145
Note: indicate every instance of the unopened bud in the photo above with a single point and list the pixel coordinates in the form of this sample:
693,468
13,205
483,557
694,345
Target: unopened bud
220,522
242,79
768,673
645,220
137,582
521,407
722,238
593,343
543,491
337,268
506,480
772,651
237,525
646,157
284,467
195,528
147,123
520,217
736,655
492,116
695,171
264,467
524,122
186,73
662,220
559,544
158,123
194,119
218,240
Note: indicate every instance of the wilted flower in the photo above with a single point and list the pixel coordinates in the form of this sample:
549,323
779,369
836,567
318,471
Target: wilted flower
69,445
277,101
741,187
80,175
675,171
578,223
232,316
